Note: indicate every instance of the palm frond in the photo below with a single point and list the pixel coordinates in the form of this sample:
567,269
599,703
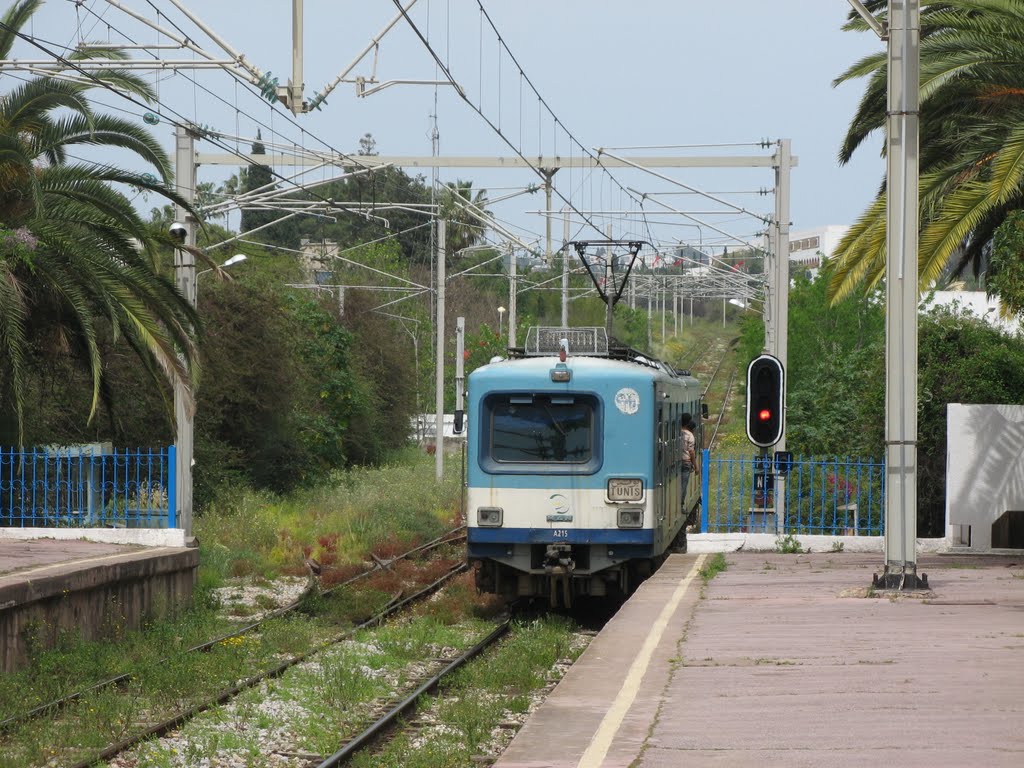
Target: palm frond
124,80
26,108
13,20
1008,167
107,131
98,50
13,342
959,213
858,250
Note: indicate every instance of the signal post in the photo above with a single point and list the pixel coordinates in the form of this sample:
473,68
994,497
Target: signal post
766,423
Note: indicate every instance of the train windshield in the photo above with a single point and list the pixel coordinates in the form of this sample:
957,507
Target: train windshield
542,428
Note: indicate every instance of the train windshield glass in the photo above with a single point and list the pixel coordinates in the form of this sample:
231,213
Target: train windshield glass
542,429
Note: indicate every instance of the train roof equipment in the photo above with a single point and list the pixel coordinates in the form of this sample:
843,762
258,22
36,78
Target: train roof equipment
591,341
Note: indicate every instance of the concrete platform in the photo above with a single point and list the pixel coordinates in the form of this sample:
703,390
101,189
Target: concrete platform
49,587
791,660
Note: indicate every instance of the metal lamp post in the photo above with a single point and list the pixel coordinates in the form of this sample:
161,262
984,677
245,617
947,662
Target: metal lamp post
236,259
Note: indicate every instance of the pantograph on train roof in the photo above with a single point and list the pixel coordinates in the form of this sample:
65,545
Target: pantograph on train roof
587,341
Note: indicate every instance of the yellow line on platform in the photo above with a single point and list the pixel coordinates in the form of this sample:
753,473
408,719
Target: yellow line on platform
602,741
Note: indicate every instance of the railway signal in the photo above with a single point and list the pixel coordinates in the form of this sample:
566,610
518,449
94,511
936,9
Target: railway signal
765,401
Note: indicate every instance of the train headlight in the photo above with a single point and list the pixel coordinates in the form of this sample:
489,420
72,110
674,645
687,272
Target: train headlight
631,517
626,489
489,517
561,373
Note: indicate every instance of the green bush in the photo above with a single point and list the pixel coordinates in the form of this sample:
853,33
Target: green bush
836,380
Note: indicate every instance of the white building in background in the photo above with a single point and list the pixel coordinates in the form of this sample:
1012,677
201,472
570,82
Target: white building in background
318,259
976,303
810,247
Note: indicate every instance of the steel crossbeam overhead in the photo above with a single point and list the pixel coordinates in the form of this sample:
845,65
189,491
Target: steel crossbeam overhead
235,63
709,285
312,157
49,65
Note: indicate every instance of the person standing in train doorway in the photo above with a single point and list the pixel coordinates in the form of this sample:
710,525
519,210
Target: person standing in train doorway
689,463
691,427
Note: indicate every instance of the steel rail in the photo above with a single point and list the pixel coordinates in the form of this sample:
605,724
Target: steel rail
373,731
182,717
728,390
453,535
721,414
692,359
714,374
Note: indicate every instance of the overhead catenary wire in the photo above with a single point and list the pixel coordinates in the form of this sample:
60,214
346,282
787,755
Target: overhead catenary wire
210,136
99,82
557,123
339,156
478,108
556,126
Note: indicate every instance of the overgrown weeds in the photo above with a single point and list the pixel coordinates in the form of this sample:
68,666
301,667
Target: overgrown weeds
461,724
788,545
385,510
714,566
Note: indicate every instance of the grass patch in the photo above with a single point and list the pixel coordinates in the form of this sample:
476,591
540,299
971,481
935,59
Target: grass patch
488,691
384,509
788,545
74,664
248,533
713,567
164,681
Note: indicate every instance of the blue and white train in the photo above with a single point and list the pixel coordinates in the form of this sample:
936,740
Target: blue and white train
574,467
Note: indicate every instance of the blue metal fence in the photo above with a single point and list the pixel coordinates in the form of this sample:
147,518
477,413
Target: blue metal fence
826,496
87,487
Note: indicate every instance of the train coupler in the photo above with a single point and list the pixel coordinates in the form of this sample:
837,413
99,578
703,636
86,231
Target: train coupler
559,565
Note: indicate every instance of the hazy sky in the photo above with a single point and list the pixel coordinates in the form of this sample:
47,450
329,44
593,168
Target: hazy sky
615,74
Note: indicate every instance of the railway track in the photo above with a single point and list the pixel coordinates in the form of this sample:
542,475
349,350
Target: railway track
383,724
171,723
122,681
690,361
713,379
721,413
385,730
714,374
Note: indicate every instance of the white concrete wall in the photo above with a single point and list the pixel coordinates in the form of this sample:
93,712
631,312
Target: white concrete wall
424,426
984,469
767,542
977,303
148,537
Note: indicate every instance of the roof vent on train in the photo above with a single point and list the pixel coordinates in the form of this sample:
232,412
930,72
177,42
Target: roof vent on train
542,341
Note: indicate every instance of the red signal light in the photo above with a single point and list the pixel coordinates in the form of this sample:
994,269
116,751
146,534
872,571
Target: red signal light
766,401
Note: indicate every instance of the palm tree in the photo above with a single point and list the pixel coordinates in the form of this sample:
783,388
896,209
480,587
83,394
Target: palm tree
69,239
972,138
464,228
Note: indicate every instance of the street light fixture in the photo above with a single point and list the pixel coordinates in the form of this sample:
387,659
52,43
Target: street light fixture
236,259
501,318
